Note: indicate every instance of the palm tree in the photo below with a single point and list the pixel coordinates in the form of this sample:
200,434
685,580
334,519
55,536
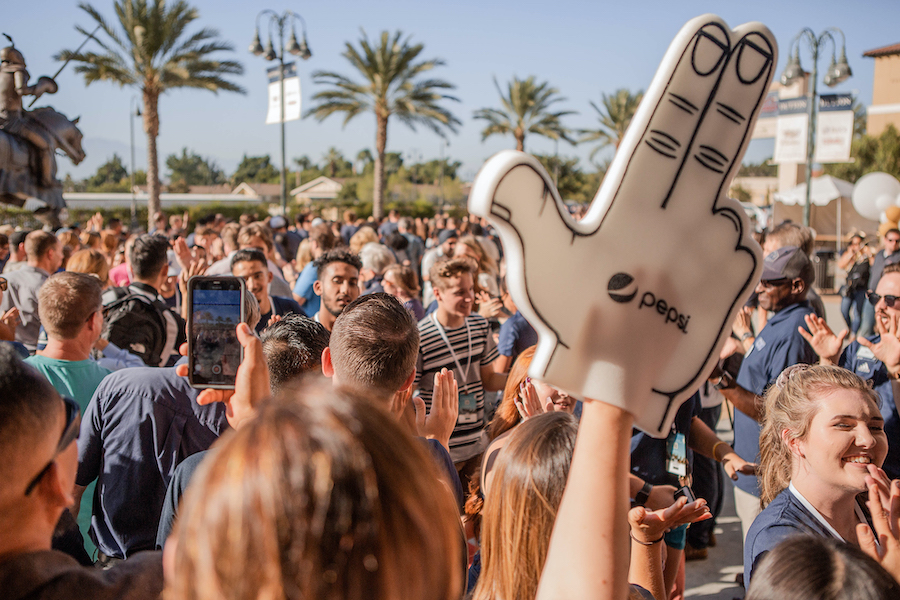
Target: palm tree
152,51
391,86
615,117
526,109
334,160
364,158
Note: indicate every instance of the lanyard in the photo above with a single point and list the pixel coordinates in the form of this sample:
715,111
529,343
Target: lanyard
821,519
443,333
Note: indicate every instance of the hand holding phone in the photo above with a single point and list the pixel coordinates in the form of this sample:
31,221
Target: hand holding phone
214,351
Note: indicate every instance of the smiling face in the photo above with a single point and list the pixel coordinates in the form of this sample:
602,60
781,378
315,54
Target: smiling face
561,400
845,436
456,296
257,277
774,295
888,285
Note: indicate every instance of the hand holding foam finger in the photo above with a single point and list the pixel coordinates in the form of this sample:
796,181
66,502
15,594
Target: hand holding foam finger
655,273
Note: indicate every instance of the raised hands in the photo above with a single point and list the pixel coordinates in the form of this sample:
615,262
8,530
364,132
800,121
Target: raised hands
438,424
823,340
885,510
887,350
653,275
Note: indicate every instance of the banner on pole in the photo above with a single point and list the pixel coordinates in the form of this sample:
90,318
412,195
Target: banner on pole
291,94
792,131
834,128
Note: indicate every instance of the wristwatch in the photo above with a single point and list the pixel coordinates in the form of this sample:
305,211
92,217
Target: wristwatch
746,336
640,499
724,381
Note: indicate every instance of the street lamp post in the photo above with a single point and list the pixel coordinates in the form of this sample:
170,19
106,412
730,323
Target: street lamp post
281,22
838,72
134,111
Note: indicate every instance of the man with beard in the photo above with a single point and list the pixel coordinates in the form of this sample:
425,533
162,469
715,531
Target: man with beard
337,283
250,265
785,281
875,358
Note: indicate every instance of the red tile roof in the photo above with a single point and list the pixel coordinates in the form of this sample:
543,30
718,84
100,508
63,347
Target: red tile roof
885,51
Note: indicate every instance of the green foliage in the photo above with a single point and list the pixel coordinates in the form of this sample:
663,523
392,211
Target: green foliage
392,85
255,169
335,165
193,169
111,176
871,154
348,191
762,169
613,116
304,162
739,193
433,170
526,108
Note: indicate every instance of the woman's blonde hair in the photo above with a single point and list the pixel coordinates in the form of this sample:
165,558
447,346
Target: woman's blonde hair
790,405
365,235
528,483
91,262
486,264
322,495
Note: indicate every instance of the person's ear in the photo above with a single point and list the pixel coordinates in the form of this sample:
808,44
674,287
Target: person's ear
55,487
327,366
317,287
437,293
271,275
793,444
409,381
798,286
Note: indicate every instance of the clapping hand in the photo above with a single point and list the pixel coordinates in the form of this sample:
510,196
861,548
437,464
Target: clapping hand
822,339
654,274
887,350
440,421
884,506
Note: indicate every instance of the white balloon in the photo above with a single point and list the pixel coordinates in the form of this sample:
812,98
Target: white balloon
868,193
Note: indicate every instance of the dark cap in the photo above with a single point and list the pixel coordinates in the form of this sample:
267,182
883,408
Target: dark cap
788,262
447,234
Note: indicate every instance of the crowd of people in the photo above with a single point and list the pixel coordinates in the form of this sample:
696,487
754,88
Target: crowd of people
384,439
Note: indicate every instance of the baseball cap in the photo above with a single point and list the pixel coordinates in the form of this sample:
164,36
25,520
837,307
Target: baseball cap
788,262
277,222
447,234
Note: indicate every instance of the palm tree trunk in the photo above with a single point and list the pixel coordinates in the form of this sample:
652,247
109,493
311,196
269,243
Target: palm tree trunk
380,146
151,128
520,140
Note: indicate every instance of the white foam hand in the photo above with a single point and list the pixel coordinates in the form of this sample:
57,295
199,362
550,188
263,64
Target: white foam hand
633,303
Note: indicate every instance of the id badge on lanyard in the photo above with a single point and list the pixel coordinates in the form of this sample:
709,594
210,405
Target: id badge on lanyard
468,403
676,454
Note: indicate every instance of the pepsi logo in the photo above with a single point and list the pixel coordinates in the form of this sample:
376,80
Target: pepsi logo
622,288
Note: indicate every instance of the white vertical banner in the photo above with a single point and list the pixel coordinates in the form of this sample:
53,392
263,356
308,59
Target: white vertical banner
792,131
291,94
834,128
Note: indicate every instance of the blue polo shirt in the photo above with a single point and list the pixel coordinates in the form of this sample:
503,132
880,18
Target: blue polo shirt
648,454
778,346
516,334
304,289
860,360
140,424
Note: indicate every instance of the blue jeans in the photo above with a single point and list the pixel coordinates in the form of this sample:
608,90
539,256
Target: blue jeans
855,300
867,327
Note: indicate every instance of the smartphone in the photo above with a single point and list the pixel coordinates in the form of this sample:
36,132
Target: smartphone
214,352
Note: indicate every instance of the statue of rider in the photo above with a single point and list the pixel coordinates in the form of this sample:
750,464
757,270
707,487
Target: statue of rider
14,118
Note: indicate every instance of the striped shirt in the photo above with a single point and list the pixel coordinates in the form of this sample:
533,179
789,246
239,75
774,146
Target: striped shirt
477,349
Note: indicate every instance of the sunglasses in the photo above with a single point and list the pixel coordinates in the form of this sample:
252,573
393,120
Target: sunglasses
771,283
69,434
888,300
3,284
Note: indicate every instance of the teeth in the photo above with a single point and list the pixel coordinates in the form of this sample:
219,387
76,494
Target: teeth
864,460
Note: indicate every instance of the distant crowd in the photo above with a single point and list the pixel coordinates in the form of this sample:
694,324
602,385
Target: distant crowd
384,438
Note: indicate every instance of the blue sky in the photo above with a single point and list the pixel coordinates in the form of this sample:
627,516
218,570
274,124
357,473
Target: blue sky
583,48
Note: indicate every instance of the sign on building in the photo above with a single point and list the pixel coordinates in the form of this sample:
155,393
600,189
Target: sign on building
291,94
834,129
792,131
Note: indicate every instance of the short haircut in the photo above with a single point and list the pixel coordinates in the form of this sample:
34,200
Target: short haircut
38,244
792,234
443,270
148,256
249,255
66,301
229,235
253,230
376,257
893,230
337,255
374,344
293,347
895,268
4,239
323,236
27,401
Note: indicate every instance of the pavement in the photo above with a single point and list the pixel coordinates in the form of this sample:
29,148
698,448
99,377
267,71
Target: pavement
713,578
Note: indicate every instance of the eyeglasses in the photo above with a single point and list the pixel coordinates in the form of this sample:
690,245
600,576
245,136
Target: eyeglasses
69,434
770,283
889,301
3,284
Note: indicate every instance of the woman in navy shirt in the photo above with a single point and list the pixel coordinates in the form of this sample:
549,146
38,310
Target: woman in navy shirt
821,444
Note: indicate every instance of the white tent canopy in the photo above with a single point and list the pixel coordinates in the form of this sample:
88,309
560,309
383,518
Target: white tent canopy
831,215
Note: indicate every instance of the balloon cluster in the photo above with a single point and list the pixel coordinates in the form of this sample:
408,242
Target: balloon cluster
876,196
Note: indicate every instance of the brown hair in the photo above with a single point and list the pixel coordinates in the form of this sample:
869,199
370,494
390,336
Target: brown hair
792,234
256,230
790,405
405,278
70,239
91,239
445,269
486,264
90,262
374,344
529,479
322,235
322,495
109,241
507,415
66,301
38,244
894,268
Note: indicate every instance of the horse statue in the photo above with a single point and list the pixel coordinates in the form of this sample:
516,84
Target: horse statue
29,140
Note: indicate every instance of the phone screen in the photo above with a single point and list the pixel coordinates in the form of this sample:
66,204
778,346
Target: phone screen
216,310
